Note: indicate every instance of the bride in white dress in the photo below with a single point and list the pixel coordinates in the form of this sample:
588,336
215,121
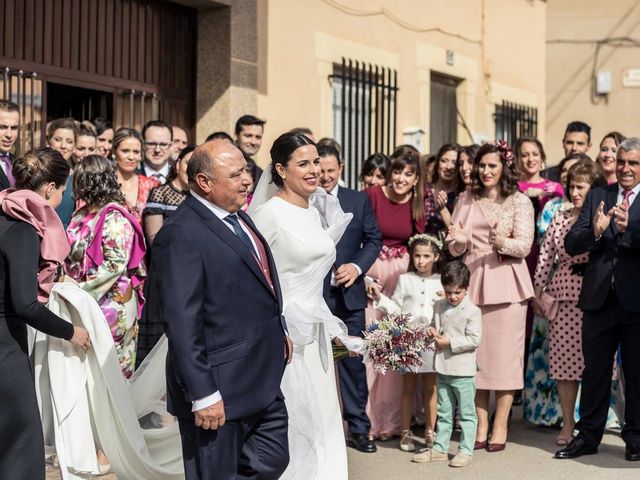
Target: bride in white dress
302,226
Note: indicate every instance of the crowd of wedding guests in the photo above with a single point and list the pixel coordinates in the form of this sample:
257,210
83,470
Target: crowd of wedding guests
524,230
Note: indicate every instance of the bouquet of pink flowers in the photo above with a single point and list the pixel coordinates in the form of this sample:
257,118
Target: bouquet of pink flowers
396,342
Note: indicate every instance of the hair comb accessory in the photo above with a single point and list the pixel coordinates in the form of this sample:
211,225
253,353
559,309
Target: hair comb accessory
428,238
505,151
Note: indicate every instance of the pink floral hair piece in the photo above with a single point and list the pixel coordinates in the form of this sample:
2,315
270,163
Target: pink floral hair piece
505,151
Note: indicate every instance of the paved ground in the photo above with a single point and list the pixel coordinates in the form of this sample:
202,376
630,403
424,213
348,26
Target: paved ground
528,456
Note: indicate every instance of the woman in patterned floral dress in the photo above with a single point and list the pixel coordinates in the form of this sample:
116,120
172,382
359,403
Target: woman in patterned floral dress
107,252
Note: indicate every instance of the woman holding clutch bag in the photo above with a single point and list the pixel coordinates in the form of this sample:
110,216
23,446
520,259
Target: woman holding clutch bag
556,298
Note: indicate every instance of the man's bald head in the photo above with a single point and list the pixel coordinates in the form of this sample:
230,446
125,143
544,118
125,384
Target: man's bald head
208,156
218,172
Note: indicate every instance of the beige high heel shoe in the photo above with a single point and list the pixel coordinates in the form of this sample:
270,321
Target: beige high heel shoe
406,441
429,437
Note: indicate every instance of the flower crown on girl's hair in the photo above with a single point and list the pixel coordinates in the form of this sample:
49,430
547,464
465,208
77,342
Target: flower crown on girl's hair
505,151
428,238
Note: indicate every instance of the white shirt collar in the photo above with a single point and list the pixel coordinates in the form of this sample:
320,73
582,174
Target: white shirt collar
221,213
149,172
634,195
334,190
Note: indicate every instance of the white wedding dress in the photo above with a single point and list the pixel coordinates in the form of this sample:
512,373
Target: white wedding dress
303,244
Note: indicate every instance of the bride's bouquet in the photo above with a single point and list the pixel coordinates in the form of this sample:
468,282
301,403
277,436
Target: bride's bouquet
395,342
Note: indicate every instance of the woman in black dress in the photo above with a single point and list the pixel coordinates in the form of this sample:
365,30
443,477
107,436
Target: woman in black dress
41,176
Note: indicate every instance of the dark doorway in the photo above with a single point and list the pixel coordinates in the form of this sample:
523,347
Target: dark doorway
77,103
443,126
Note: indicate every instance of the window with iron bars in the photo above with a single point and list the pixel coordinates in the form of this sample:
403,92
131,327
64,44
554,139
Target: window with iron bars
514,121
364,113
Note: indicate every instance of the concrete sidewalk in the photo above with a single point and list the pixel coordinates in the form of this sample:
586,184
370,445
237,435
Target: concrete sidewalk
527,457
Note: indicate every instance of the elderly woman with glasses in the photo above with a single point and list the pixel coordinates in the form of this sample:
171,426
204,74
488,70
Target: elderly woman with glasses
127,151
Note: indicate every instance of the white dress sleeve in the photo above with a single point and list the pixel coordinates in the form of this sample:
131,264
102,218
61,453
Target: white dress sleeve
393,305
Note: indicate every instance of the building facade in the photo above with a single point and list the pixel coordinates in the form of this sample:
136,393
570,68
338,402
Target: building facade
593,69
371,73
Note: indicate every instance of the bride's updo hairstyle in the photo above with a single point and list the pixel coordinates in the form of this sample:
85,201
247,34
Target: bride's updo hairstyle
281,152
40,166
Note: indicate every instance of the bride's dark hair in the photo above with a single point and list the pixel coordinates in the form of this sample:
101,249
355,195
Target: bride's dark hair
281,152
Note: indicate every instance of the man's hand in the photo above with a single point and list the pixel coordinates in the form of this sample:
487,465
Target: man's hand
288,349
346,274
621,217
210,418
602,220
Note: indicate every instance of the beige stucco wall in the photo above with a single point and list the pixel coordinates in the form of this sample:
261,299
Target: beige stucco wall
501,57
569,69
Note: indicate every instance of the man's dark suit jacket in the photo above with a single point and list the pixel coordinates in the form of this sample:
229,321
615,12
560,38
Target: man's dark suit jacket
360,244
614,256
222,318
4,181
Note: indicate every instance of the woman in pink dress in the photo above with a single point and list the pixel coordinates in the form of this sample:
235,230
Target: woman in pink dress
127,150
530,162
492,226
607,154
399,210
565,325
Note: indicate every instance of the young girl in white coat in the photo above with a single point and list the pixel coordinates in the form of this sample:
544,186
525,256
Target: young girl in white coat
416,292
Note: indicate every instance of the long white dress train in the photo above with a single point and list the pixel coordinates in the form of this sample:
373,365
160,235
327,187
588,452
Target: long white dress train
304,252
85,401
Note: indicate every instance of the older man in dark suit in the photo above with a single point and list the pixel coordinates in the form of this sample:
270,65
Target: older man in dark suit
221,302
609,229
344,289
9,125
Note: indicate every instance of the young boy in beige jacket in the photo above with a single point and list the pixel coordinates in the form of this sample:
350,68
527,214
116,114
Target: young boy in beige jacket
456,329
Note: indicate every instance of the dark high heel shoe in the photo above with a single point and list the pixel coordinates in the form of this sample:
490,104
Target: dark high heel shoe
480,445
498,447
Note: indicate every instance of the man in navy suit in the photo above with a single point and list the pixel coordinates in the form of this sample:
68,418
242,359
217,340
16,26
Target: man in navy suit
9,125
609,229
344,290
221,303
